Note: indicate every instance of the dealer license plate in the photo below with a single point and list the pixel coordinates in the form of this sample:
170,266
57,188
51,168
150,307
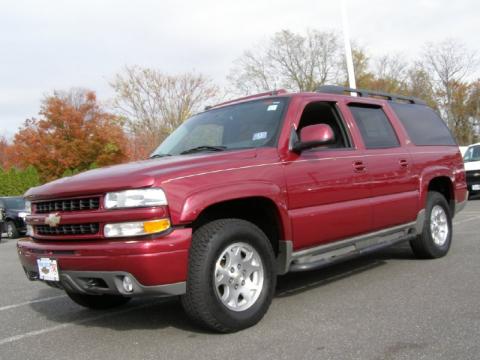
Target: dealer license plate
476,187
48,269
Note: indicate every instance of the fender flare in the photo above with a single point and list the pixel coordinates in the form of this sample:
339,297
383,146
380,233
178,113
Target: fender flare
427,175
197,202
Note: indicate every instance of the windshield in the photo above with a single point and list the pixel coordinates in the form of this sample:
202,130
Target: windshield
472,154
247,125
14,203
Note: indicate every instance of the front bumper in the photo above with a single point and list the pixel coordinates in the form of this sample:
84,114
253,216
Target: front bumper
473,181
156,266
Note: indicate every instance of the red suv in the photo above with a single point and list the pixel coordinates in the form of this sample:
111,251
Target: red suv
246,191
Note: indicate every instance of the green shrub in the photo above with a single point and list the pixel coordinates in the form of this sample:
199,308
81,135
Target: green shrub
17,182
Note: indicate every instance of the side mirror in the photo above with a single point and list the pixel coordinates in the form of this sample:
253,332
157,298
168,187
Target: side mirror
314,135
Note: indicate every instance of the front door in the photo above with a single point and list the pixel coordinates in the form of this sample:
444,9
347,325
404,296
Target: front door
328,187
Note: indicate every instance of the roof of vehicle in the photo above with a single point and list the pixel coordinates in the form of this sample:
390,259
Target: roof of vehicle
327,89
476,144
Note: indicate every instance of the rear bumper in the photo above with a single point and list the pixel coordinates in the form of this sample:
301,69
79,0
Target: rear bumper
157,265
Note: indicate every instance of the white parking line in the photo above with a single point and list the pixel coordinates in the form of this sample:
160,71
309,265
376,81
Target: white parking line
466,220
13,306
65,325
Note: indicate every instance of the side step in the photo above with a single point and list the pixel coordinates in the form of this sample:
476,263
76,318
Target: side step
322,255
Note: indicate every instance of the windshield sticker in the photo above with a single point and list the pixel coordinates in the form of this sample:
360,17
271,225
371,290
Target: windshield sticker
259,136
272,107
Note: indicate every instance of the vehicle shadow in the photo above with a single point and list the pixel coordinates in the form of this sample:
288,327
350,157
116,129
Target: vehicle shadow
295,283
161,313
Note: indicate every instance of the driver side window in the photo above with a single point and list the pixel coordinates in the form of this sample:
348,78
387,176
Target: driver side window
325,113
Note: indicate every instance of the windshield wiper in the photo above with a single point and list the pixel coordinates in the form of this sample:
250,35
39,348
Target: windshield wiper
159,156
203,148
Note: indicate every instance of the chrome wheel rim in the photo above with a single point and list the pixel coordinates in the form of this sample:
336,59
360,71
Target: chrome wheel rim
238,276
9,231
439,225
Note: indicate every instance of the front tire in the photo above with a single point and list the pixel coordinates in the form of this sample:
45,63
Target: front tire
98,302
231,276
436,236
12,232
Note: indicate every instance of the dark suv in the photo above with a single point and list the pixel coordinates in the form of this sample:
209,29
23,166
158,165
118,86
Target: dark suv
15,213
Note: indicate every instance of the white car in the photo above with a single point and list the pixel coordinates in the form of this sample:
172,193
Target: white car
472,168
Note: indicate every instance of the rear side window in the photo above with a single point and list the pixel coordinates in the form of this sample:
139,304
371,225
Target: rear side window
377,131
423,125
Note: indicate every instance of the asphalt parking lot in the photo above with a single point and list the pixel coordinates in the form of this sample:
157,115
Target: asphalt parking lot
384,306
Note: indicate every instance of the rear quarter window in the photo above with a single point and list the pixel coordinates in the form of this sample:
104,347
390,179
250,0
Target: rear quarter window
423,125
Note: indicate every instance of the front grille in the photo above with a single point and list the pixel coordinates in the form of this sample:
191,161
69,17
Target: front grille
67,205
76,229
473,175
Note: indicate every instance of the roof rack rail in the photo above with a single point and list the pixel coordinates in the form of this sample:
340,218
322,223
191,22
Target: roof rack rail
267,93
333,89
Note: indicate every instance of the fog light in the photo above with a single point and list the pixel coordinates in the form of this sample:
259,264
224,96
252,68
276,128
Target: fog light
127,284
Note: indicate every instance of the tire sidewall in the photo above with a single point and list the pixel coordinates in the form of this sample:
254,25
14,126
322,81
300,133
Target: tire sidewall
436,250
13,233
236,233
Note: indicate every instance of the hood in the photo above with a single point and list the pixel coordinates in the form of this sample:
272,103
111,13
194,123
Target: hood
136,175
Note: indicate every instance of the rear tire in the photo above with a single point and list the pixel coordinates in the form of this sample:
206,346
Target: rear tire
231,275
436,236
98,302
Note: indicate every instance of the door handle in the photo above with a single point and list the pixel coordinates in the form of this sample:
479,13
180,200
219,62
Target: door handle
359,166
403,163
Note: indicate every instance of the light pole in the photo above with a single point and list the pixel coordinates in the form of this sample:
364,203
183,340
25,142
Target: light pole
348,48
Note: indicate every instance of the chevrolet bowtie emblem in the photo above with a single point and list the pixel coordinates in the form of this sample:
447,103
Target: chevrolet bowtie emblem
52,220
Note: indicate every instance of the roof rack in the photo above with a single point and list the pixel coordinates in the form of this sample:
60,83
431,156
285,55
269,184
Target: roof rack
333,89
267,93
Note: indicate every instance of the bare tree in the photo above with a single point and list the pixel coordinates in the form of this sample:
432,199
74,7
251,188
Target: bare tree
155,103
296,62
420,84
448,62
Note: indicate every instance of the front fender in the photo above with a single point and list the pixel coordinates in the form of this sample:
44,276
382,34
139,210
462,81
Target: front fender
196,202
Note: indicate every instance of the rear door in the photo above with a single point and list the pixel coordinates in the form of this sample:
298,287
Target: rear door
394,187
328,187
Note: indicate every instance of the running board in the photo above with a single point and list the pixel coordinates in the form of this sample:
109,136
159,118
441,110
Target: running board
322,255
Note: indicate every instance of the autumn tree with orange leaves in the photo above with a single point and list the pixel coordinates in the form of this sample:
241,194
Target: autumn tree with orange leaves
4,149
74,133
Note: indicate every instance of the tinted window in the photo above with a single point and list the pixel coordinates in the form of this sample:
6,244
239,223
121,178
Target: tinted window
376,130
423,125
14,203
325,113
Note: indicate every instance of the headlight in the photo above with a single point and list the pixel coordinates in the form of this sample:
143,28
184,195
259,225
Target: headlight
136,228
28,207
135,198
23,214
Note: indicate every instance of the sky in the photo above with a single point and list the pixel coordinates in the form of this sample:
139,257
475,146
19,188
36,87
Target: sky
48,45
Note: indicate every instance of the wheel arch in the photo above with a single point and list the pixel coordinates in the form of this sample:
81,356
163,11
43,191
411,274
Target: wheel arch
443,184
259,210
